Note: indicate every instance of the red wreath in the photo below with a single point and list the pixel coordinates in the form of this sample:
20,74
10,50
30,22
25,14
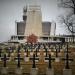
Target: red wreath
32,38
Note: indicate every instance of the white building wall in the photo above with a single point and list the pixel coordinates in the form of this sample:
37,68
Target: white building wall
53,28
15,28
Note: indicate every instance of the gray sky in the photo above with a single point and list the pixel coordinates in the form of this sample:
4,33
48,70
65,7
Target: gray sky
11,10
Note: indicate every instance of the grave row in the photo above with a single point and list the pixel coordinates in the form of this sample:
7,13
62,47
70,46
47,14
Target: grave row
34,69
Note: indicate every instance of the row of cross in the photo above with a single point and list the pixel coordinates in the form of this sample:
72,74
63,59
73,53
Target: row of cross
49,58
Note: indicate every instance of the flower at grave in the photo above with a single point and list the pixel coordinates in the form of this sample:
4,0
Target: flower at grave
57,59
32,39
59,54
25,54
52,53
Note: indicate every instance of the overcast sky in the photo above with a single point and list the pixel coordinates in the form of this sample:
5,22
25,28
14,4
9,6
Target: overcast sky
11,10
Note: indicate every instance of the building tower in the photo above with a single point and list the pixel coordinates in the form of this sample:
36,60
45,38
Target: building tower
34,21
25,13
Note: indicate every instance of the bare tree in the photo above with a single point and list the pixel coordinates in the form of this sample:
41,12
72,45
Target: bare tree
69,20
67,4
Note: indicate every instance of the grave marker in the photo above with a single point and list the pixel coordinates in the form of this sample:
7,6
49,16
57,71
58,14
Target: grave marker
33,59
19,59
4,60
50,59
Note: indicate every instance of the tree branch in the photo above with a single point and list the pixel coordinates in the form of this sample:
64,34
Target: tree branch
73,1
67,5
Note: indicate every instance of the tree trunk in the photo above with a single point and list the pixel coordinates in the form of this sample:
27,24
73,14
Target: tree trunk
74,10
73,37
72,34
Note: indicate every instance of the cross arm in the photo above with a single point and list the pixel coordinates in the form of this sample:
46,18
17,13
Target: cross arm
47,58
18,58
67,59
2,58
36,58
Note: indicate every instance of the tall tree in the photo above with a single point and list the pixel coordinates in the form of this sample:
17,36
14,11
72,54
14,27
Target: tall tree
69,20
